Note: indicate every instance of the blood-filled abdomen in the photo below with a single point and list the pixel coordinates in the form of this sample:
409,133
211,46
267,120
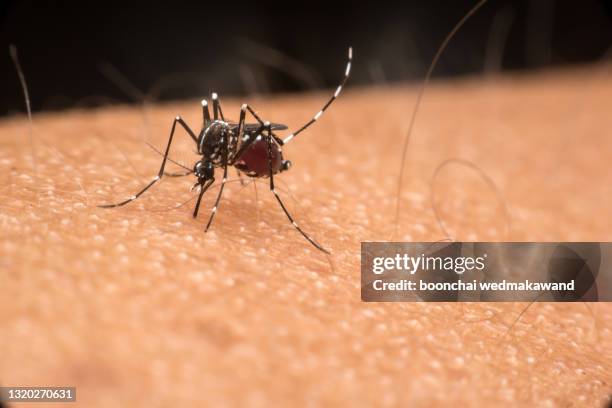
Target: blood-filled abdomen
254,161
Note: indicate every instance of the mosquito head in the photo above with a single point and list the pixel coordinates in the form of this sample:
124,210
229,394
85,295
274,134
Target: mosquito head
204,170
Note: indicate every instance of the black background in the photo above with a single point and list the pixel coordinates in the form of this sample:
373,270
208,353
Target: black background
192,48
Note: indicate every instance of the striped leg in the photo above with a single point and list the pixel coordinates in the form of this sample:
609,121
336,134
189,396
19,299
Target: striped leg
217,107
261,122
297,227
244,144
202,191
239,174
205,114
160,173
214,209
316,117
240,133
183,174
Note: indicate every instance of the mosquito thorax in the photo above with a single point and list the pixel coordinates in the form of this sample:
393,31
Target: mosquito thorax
204,170
213,141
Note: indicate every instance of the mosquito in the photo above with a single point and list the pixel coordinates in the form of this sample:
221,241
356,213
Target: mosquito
253,149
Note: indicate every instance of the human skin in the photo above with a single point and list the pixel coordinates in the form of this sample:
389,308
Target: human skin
137,306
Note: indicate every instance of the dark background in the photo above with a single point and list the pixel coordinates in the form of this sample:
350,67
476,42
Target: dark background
178,49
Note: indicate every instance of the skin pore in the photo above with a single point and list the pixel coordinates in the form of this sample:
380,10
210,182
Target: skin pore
136,306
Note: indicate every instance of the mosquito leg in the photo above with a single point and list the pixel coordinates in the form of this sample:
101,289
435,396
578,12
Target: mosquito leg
257,203
270,142
205,114
256,116
226,158
243,142
214,209
241,123
186,127
347,73
242,182
217,107
202,191
160,173
177,174
245,145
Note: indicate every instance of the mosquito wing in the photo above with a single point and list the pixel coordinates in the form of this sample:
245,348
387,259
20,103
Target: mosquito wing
252,127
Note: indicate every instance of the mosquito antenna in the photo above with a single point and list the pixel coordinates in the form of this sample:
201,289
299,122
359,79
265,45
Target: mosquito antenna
418,104
316,117
169,159
26,94
129,89
176,207
184,203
